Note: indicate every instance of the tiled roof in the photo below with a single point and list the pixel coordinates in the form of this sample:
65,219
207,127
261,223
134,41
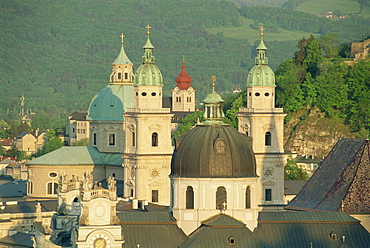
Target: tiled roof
29,207
140,217
78,155
12,188
216,236
79,115
341,170
153,236
320,229
292,187
275,217
17,240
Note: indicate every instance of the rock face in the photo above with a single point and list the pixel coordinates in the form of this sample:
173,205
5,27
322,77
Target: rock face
313,134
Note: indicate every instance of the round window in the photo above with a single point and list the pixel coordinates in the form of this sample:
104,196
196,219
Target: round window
257,94
154,94
143,94
267,94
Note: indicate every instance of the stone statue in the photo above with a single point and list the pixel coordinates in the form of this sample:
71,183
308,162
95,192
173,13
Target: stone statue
38,212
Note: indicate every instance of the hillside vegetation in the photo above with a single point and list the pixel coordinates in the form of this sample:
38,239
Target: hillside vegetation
59,53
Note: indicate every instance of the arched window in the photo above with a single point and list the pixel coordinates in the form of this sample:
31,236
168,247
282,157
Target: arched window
52,188
133,139
189,198
154,139
248,197
268,139
94,139
119,75
221,198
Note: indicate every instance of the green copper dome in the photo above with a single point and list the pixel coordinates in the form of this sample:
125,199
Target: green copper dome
148,73
110,103
261,74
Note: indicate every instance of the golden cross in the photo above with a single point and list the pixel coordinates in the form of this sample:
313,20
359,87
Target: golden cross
123,37
183,58
224,206
148,27
261,30
213,83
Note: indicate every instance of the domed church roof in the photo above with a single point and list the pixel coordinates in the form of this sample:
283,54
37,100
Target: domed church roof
261,74
109,103
213,149
209,151
148,73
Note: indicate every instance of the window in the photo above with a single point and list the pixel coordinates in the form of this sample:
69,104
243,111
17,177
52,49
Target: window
155,195
52,188
53,174
112,139
231,240
131,192
94,139
221,198
133,139
268,139
268,194
189,198
154,139
30,187
126,75
119,75
248,197
188,99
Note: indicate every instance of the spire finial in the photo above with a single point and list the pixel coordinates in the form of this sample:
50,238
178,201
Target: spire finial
183,58
123,38
261,31
148,28
213,83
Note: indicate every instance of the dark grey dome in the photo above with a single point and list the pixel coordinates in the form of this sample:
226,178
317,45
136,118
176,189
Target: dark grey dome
213,151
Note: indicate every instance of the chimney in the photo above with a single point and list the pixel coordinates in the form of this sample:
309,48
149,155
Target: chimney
135,204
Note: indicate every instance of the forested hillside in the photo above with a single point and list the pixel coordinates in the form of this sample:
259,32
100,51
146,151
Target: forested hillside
59,52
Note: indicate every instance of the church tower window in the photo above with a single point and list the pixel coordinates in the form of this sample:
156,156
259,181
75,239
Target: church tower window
189,198
94,139
154,139
52,188
30,187
133,139
248,197
119,75
268,194
112,139
155,195
221,197
126,75
268,139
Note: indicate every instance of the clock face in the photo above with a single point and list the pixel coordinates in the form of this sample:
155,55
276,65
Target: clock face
100,243
268,172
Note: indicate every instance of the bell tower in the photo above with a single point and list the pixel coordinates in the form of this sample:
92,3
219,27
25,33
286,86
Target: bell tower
262,121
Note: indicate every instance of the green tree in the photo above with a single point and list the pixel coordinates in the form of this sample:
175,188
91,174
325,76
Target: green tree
288,92
292,171
53,143
82,142
313,58
236,104
309,90
15,153
329,45
187,122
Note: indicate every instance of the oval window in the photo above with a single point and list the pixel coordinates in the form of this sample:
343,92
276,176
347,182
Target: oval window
267,94
154,94
143,94
53,174
257,94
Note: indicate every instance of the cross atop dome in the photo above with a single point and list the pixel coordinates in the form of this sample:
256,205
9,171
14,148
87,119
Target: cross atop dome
148,27
123,38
